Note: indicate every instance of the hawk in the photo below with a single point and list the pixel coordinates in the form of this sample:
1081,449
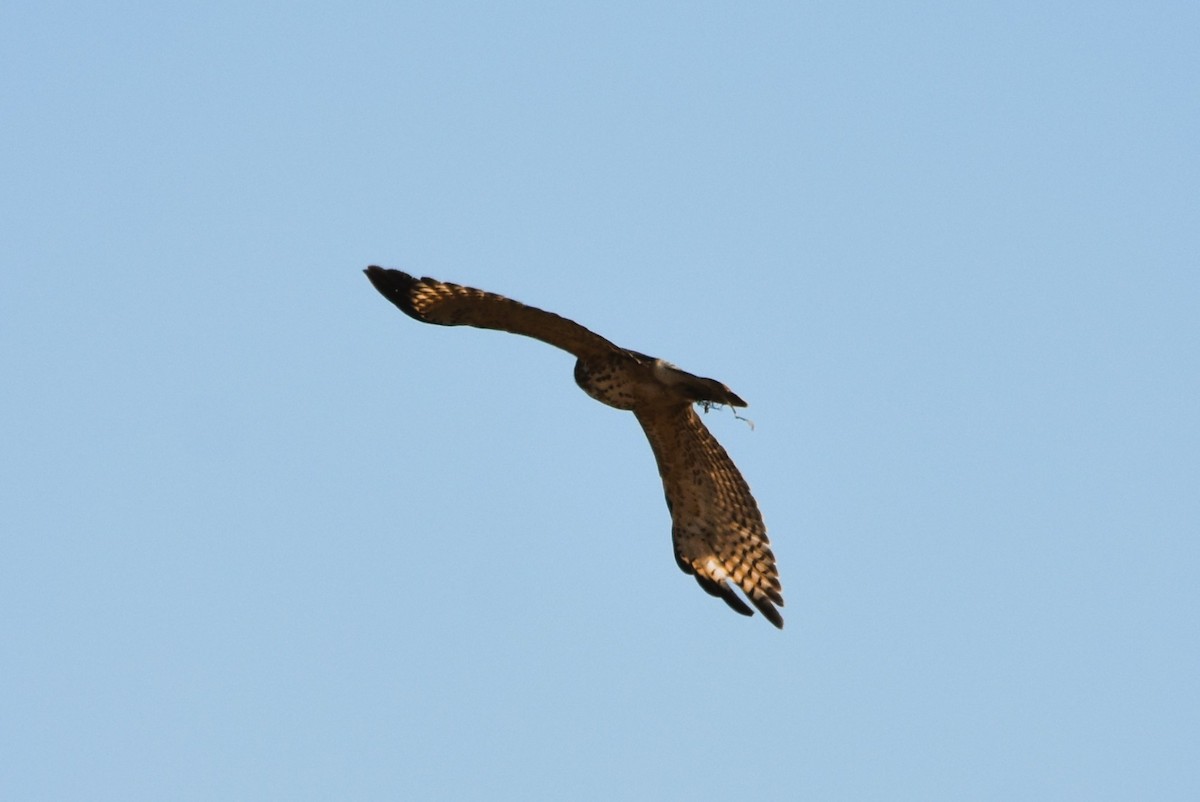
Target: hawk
718,532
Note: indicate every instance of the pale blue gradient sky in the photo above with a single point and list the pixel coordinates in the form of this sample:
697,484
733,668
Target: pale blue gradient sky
266,538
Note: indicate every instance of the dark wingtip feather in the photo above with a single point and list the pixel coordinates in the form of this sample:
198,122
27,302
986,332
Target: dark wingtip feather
768,610
396,286
722,591
735,601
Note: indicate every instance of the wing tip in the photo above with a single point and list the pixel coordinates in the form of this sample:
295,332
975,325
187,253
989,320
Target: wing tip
763,602
764,598
722,590
396,286
769,611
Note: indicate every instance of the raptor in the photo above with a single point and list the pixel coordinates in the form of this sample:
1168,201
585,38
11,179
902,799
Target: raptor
718,532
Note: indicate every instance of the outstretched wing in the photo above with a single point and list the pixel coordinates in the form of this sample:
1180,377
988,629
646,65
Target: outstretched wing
718,531
433,301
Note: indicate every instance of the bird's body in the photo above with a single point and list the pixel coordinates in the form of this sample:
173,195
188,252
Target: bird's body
630,380
718,532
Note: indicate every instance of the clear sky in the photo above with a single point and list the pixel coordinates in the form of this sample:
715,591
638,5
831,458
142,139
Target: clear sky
264,537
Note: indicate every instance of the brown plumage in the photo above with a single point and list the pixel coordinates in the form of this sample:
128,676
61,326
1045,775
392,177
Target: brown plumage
717,529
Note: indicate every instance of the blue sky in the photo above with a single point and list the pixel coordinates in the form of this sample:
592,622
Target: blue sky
266,538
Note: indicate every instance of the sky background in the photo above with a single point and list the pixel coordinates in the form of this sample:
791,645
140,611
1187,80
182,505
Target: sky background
264,537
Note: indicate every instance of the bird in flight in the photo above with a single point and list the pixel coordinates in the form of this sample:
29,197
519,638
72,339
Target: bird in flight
718,532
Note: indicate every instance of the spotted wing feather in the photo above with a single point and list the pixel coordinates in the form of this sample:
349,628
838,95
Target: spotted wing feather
718,531
446,304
